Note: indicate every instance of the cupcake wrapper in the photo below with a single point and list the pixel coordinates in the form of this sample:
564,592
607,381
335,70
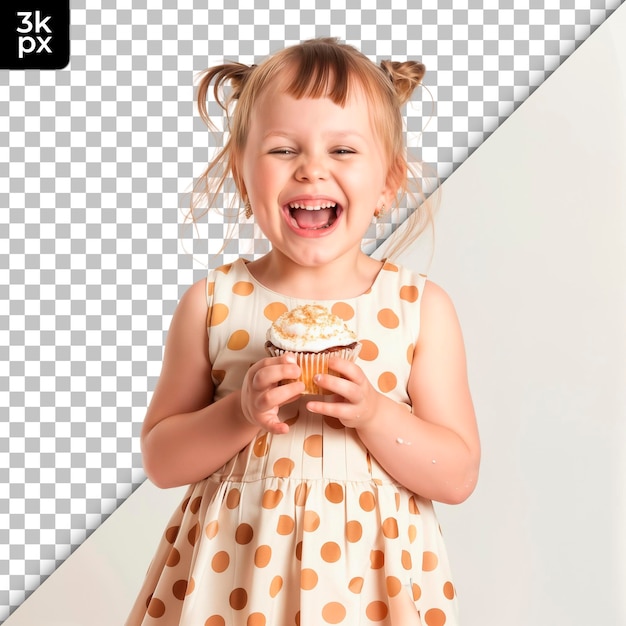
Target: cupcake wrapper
313,363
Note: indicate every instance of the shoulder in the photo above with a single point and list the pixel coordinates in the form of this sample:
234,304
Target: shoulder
435,297
195,296
190,315
439,320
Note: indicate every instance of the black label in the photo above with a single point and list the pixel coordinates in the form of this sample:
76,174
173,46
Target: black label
34,35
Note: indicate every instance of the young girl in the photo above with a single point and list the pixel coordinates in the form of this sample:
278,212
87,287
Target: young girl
305,509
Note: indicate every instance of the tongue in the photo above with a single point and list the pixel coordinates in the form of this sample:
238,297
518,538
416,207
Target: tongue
312,219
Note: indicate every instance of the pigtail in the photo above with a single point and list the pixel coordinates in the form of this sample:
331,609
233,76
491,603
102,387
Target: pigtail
228,81
405,77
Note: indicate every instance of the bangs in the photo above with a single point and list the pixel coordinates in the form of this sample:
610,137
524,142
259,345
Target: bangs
320,71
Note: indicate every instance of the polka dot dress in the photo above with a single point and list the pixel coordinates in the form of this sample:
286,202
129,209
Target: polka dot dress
303,529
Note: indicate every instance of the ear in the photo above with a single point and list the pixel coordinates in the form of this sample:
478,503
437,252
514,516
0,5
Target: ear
396,180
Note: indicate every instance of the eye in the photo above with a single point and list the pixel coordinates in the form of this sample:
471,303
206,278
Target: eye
342,151
282,151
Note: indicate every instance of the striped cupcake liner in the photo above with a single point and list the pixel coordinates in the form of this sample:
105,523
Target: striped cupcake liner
313,363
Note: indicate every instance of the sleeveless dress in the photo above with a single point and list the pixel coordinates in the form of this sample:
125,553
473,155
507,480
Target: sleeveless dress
304,528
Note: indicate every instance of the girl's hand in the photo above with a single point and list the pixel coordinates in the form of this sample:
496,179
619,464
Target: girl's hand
354,401
262,396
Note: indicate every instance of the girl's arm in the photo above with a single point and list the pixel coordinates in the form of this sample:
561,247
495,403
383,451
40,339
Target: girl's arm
434,450
185,435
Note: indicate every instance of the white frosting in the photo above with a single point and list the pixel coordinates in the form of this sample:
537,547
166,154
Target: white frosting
309,328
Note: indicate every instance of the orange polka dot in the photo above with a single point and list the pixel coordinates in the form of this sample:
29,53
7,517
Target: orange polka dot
417,591
224,268
410,351
299,551
275,586
285,525
185,504
301,493
244,534
356,584
211,529
410,293
217,314
394,586
171,533
369,350
333,613
298,618
256,619
343,310
262,556
407,561
274,310
311,521
191,585
173,558
271,498
193,534
448,590
218,376
390,528
376,611
220,561
292,420
260,446
238,340
334,493
179,588
354,531
367,501
238,598
388,319
215,620
397,499
330,552
308,579
210,288
156,608
233,497
412,532
333,422
313,445
387,382
435,617
243,288
283,467
194,507
413,508
377,559
390,267
429,561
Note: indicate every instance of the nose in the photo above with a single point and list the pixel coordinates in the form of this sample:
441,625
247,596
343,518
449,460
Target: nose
311,167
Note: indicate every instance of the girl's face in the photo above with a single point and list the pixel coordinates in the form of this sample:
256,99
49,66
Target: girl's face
314,173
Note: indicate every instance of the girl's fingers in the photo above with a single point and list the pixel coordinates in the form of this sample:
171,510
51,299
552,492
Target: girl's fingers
268,372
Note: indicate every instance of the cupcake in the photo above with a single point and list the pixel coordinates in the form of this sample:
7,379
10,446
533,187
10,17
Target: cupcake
313,334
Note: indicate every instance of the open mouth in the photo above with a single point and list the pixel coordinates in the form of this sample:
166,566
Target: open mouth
313,217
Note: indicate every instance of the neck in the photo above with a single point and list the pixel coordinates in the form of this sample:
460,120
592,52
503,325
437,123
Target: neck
347,277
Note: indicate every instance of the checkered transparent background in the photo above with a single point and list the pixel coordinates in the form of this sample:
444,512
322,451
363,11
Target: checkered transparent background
95,164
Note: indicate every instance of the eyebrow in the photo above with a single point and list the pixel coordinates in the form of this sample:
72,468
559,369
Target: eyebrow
340,134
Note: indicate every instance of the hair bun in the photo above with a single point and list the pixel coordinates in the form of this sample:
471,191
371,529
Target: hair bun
405,76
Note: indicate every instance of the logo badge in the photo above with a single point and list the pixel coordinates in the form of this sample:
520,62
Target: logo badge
34,35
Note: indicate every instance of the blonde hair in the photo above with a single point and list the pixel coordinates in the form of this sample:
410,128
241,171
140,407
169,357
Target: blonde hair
315,68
